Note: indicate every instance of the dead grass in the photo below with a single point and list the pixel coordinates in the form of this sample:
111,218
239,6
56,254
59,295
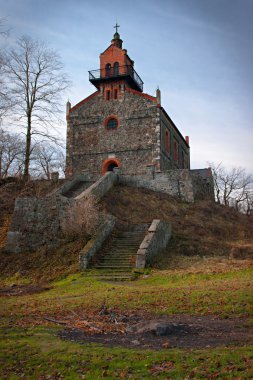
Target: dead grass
9,191
43,265
82,218
4,228
202,228
199,230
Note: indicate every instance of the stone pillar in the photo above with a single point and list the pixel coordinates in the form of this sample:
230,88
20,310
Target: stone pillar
55,176
68,108
158,96
157,150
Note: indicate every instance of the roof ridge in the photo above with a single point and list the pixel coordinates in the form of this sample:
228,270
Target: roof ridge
84,101
144,95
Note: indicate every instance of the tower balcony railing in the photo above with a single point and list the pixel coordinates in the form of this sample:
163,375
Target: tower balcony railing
126,71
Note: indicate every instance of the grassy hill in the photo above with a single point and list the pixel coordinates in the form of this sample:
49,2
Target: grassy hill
202,228
58,323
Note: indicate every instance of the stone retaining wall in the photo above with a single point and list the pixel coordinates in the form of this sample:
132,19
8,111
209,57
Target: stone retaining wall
94,244
36,222
157,239
173,182
188,185
100,188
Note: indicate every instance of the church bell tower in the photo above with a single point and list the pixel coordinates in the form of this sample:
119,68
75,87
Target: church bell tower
116,70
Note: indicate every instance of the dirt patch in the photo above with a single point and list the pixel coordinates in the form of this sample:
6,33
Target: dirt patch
22,290
182,331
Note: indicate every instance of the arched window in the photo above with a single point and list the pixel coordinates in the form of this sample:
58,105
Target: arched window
182,158
116,68
175,151
167,142
108,94
108,70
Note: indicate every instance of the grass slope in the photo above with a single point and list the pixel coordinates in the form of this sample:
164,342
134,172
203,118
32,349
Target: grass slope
204,273
31,349
202,228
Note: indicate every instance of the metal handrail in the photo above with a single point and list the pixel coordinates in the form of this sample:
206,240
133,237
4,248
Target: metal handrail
116,72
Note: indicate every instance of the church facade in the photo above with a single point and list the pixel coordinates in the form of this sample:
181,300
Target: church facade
120,126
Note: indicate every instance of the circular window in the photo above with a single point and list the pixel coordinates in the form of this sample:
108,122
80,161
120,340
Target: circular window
111,123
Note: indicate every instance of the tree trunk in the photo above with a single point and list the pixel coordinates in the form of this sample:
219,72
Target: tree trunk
28,148
1,155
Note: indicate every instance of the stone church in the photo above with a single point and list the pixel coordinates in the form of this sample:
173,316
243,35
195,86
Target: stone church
117,135
121,126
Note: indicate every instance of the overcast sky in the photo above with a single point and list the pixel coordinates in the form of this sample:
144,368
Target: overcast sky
199,53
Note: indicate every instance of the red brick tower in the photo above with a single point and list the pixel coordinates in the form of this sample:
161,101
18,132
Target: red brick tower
119,125
116,71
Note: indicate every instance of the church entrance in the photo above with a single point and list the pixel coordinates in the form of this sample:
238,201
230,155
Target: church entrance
109,164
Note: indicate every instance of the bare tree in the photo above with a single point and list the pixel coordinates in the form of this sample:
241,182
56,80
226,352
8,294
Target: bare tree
249,202
36,82
4,98
3,30
47,158
231,186
11,154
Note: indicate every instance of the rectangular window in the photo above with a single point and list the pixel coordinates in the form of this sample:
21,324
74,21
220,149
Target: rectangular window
108,95
115,94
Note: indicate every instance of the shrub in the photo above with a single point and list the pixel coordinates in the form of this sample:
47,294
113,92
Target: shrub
81,218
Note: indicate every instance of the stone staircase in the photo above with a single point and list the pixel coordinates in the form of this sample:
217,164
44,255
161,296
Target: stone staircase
116,259
77,188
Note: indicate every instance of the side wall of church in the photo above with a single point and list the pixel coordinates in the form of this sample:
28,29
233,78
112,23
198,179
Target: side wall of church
90,143
175,153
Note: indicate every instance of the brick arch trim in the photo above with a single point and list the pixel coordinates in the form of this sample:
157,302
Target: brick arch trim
109,118
109,161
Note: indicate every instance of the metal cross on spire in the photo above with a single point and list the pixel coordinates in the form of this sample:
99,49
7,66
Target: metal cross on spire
116,26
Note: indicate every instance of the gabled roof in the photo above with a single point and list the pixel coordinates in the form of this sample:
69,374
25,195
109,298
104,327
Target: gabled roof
110,47
124,50
83,101
147,96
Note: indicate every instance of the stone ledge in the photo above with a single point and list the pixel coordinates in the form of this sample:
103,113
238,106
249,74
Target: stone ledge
94,244
156,239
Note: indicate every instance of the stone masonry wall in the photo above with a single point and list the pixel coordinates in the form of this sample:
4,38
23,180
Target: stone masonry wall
94,244
36,222
157,238
100,187
89,143
173,182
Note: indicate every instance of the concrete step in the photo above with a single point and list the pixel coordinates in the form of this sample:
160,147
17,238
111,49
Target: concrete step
97,266
116,260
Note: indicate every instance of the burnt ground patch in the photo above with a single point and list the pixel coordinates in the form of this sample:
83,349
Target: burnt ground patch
181,331
22,290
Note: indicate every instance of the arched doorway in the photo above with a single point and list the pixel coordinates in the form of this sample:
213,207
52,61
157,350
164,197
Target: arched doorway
109,164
